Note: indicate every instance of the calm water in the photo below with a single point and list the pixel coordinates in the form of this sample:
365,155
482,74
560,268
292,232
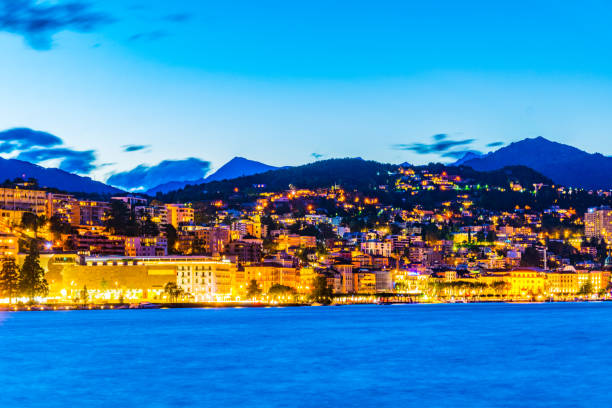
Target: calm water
473,355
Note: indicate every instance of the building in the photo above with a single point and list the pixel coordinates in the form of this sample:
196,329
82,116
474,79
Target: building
268,276
131,201
248,228
9,245
598,223
138,278
146,246
521,283
156,213
285,241
206,279
215,239
346,272
11,218
94,244
365,281
93,213
179,214
18,199
374,247
65,207
384,283
245,251
570,282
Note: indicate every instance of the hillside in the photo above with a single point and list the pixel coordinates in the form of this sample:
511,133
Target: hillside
53,178
565,165
349,173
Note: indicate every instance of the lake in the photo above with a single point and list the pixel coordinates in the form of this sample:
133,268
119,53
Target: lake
445,355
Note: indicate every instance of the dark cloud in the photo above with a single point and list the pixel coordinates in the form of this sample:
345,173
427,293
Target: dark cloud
459,154
440,136
145,177
149,36
134,148
316,155
442,146
72,161
178,17
25,138
438,147
495,144
37,22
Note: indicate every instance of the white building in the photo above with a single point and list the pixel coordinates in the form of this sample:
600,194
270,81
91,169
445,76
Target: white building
375,247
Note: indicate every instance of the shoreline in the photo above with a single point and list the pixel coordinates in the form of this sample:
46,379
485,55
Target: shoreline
233,305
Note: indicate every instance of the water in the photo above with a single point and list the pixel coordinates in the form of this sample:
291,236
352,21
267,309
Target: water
465,355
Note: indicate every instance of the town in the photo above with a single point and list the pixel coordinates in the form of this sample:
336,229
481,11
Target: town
325,245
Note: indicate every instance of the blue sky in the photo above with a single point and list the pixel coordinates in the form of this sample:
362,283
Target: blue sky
279,81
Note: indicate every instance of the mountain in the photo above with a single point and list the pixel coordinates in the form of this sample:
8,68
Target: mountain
353,173
237,167
53,178
365,176
561,163
468,156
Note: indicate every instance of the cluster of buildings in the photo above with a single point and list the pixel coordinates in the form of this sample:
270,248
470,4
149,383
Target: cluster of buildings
361,246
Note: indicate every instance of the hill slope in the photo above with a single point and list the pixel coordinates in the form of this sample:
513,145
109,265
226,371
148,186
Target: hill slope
350,173
561,163
54,178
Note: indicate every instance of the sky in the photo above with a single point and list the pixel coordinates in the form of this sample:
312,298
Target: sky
130,87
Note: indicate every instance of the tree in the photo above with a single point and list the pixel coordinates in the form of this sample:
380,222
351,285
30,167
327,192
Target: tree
253,289
31,221
120,220
278,290
586,289
32,280
9,279
58,226
531,257
499,287
84,295
173,291
148,228
171,237
321,291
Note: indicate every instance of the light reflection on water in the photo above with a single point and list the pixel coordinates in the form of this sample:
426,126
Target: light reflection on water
463,355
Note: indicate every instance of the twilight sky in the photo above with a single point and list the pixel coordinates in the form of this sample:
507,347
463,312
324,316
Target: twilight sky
127,83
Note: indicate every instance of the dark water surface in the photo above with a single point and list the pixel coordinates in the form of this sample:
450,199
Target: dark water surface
465,355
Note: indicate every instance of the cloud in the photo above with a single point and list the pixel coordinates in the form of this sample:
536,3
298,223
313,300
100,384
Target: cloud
442,146
495,144
25,138
459,154
436,147
134,148
440,136
178,17
37,22
72,161
144,177
149,35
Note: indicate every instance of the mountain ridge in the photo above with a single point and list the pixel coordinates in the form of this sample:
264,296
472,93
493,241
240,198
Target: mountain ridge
236,167
54,178
562,163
